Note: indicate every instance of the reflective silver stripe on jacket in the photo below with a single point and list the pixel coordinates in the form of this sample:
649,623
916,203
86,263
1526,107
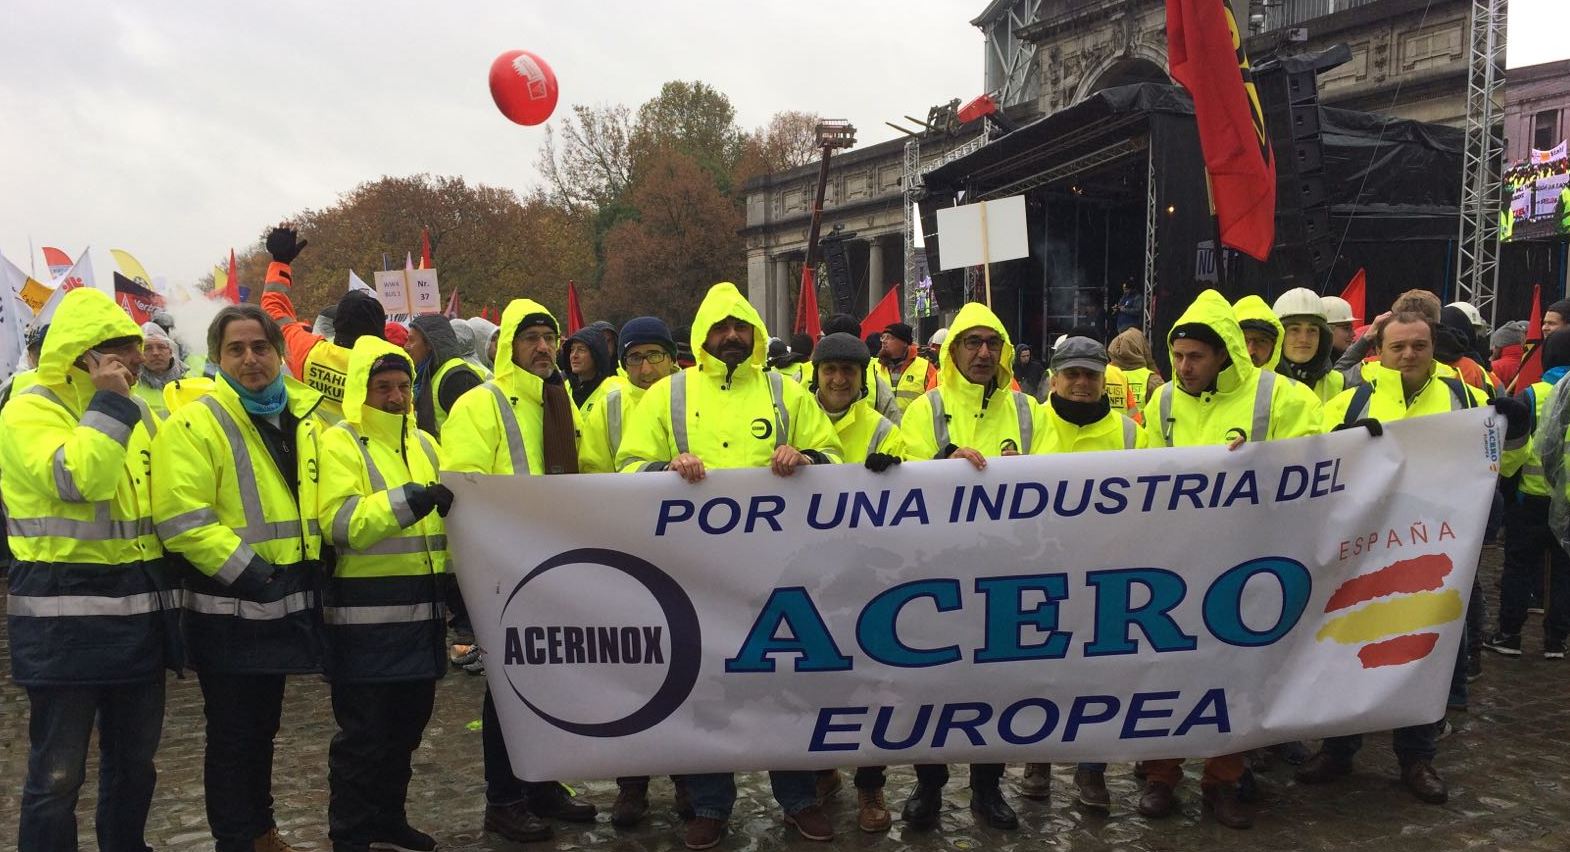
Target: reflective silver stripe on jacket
400,545
1130,433
940,421
679,410
249,610
341,616
187,521
65,483
1260,427
1263,396
613,421
1166,413
257,528
235,564
91,605
516,452
116,430
100,528
879,434
149,420
397,499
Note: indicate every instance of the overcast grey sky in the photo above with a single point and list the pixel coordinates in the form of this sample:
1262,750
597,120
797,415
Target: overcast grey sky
177,129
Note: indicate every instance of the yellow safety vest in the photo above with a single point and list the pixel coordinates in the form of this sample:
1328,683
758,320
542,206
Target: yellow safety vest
326,372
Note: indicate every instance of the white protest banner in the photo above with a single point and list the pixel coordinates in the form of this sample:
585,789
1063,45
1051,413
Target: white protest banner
982,233
1099,606
425,295
1552,155
1546,195
392,287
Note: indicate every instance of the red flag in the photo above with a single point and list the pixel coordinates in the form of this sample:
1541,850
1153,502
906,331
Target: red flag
138,301
1356,295
425,249
574,312
1207,58
232,289
807,321
1531,370
454,307
886,312
59,262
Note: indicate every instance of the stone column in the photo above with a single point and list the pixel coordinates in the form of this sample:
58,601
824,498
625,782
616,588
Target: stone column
876,286
780,323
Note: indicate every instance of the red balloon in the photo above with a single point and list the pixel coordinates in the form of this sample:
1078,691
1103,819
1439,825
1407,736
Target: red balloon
524,87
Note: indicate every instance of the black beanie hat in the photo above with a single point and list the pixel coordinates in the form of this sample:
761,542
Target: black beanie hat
901,331
1200,332
391,361
359,314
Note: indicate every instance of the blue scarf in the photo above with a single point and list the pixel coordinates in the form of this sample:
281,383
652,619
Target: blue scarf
266,402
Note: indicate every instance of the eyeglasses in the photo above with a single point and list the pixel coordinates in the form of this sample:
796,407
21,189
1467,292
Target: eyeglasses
535,338
974,342
655,358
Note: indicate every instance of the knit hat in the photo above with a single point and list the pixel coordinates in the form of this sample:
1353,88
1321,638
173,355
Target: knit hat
1200,332
539,318
841,347
391,361
1265,327
1509,334
641,330
900,331
359,314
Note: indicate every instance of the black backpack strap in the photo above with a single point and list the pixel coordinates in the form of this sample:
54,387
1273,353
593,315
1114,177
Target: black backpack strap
1458,389
1358,407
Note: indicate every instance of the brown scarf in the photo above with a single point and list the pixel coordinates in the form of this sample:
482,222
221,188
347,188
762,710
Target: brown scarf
560,436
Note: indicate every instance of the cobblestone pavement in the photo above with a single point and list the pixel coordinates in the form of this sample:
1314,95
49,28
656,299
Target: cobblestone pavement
1508,766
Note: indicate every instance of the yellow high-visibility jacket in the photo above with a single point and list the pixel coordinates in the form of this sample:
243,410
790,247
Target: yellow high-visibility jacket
385,601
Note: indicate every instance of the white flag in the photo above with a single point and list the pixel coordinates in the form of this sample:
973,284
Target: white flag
356,284
79,275
14,316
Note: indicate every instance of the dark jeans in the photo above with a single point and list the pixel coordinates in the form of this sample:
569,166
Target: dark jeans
1527,538
713,794
937,774
1413,743
242,711
870,777
379,727
60,724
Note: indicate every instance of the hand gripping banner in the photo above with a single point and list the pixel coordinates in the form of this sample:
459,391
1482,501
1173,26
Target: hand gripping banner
1099,607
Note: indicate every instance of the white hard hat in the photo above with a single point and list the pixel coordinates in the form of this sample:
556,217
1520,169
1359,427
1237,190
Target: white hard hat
938,337
1059,341
1472,314
1299,302
1337,309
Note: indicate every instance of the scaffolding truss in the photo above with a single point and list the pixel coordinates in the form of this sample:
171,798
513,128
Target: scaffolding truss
1011,69
1477,246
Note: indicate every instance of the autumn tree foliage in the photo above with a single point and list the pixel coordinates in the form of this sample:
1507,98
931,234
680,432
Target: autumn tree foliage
641,207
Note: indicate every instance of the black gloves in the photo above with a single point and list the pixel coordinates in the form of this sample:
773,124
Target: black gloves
1373,426
284,244
443,497
879,462
424,498
1518,418
254,581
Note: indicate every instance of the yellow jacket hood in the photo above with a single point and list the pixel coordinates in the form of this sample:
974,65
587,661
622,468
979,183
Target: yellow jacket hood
1254,308
974,315
85,318
508,374
1213,310
367,351
724,300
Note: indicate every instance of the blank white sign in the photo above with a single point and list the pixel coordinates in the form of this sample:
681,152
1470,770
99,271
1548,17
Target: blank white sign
959,233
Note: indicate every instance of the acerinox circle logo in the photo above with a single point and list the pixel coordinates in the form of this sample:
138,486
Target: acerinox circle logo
681,625
762,429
